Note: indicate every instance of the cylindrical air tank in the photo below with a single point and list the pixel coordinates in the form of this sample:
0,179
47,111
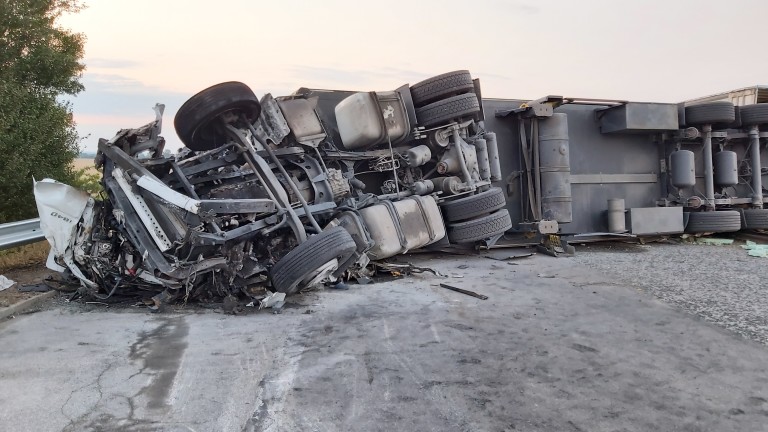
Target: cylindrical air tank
493,155
418,156
616,220
683,169
483,162
726,168
447,185
555,167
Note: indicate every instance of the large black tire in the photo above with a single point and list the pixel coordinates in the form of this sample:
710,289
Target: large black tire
194,120
481,228
756,114
719,112
713,221
441,86
298,264
451,108
755,219
474,206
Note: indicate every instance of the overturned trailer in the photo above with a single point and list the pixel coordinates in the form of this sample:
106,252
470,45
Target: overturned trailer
633,168
282,193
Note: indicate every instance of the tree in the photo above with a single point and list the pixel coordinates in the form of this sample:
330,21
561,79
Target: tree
39,62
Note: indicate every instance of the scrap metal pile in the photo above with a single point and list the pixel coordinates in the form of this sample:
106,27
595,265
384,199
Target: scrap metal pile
279,194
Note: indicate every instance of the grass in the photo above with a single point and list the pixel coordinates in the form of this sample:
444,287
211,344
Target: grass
24,256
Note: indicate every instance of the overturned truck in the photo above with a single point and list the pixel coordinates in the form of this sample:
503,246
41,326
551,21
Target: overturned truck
265,198
282,193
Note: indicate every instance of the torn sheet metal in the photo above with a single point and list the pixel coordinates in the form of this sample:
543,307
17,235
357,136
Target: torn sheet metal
272,300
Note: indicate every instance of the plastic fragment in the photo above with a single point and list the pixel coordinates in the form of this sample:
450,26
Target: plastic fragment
5,283
756,250
712,241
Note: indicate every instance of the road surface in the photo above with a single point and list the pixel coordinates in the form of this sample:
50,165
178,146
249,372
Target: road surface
556,347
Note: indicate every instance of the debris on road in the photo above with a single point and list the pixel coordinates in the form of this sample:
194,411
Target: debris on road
511,257
5,283
405,269
463,291
713,241
756,250
272,300
38,287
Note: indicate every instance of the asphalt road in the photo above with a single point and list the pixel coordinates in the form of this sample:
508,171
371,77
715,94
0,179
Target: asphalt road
556,347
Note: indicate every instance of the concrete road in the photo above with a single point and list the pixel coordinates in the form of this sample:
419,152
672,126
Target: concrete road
555,348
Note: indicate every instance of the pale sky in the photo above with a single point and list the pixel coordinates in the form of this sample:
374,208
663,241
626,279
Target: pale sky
140,52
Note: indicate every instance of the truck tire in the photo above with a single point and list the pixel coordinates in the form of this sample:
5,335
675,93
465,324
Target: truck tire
481,228
194,120
441,86
756,114
448,109
305,259
474,206
713,221
755,219
710,113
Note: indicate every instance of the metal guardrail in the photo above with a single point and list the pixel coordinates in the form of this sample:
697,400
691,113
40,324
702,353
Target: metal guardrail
20,233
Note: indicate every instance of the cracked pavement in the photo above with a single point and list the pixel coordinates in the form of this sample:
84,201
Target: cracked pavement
556,347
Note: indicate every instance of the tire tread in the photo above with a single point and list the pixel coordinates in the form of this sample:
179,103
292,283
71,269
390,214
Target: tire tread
710,113
717,221
440,86
756,114
308,256
755,219
448,109
480,228
473,206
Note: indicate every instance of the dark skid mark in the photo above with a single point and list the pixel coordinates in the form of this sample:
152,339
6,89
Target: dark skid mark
460,326
368,366
161,350
584,348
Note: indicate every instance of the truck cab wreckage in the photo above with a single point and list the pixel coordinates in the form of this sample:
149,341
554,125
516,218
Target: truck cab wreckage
278,194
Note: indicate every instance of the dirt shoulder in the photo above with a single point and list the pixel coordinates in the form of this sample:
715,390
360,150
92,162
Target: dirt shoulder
23,276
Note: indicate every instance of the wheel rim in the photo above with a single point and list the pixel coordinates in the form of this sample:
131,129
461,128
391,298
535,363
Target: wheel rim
321,273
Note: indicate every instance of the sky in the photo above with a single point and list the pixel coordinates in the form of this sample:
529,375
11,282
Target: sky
141,52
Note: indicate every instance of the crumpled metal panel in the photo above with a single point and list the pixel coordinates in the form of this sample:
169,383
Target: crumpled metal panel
271,125
301,117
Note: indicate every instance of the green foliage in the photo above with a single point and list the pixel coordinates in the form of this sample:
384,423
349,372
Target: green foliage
88,180
39,61
35,52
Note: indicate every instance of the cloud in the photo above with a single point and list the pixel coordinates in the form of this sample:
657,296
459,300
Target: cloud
107,94
107,63
112,102
114,120
354,79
